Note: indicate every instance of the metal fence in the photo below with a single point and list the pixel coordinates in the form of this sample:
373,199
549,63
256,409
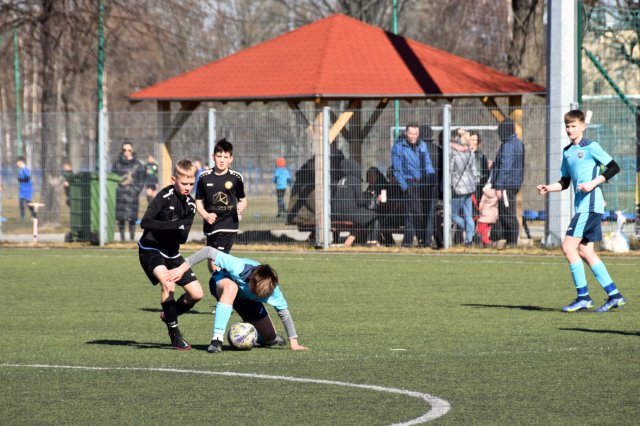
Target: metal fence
260,137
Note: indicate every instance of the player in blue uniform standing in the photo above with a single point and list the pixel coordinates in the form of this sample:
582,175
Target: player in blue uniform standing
243,284
581,165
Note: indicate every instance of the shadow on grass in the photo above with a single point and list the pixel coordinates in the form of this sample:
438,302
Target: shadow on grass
191,312
143,345
588,330
521,307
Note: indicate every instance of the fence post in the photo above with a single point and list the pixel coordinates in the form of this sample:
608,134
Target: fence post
102,173
212,135
446,175
638,172
326,180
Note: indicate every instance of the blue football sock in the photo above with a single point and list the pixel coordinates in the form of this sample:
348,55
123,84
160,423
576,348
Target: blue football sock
601,274
223,313
579,278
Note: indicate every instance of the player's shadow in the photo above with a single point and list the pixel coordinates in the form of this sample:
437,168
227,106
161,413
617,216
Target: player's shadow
130,343
589,330
149,345
520,307
191,312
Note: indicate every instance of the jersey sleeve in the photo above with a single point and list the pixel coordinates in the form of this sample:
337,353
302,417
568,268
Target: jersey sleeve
564,168
277,300
200,188
600,155
240,194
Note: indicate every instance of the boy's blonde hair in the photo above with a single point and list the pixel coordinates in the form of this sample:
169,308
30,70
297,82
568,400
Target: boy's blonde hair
184,168
263,281
574,115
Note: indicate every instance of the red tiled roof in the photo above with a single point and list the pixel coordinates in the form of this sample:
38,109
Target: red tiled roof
337,58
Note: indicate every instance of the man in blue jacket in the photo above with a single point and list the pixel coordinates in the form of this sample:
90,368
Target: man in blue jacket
506,178
412,168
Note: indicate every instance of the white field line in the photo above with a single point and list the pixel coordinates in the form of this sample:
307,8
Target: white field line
439,407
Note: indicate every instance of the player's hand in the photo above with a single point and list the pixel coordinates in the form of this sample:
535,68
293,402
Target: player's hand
210,218
499,194
295,346
242,204
586,187
542,189
176,273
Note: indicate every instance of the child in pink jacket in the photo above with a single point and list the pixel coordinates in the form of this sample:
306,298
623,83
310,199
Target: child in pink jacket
488,209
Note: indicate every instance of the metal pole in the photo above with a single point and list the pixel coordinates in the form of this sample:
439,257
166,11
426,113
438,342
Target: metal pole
396,103
326,180
102,173
211,135
638,171
100,94
16,70
446,175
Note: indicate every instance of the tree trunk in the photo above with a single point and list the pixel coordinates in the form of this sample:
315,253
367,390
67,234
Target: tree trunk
50,142
525,58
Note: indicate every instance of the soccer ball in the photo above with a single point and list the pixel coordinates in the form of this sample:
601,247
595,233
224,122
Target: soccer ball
242,335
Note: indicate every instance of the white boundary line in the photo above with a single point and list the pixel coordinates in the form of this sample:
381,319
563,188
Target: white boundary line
439,407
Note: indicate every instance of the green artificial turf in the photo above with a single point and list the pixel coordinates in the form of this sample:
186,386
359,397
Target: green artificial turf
483,333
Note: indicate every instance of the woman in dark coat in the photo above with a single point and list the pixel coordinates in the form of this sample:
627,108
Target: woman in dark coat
132,177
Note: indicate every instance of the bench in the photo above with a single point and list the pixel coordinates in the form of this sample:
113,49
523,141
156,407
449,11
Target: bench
336,228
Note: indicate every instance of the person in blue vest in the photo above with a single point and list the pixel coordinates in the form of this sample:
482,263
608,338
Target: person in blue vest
412,169
25,187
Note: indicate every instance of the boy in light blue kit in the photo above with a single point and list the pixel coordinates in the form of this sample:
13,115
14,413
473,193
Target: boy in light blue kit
243,285
282,179
581,164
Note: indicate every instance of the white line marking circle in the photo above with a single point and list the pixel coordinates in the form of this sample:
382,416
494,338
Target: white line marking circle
439,407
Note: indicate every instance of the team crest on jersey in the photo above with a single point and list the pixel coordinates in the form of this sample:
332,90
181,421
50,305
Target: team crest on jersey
228,184
580,155
221,197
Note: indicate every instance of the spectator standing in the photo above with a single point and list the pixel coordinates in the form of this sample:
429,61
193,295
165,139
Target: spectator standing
506,177
67,175
463,181
25,187
386,208
433,193
151,177
282,180
132,179
483,166
411,167
487,214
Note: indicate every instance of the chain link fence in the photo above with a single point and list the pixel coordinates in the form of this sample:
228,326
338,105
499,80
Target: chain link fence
263,137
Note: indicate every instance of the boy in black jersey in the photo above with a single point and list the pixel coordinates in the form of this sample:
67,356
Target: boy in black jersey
220,199
166,225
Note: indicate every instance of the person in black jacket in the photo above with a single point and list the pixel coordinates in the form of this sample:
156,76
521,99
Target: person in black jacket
132,178
166,225
350,203
433,192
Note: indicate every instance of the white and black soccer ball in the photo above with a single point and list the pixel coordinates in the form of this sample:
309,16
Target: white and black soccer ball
242,335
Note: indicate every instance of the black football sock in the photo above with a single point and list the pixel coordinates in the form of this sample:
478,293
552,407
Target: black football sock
170,313
182,305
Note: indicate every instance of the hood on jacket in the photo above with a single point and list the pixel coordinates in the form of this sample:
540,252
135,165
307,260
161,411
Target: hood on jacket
506,129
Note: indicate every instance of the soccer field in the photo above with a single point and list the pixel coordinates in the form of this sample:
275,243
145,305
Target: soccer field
393,338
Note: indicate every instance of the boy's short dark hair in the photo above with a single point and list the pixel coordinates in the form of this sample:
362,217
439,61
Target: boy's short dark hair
223,145
21,158
574,115
263,281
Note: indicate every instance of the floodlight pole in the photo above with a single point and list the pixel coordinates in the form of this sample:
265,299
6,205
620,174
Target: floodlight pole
561,92
396,103
326,179
211,136
16,70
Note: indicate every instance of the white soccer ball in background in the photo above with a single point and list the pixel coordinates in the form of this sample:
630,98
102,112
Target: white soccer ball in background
242,335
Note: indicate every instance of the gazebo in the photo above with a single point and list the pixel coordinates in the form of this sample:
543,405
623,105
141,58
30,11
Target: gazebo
334,59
